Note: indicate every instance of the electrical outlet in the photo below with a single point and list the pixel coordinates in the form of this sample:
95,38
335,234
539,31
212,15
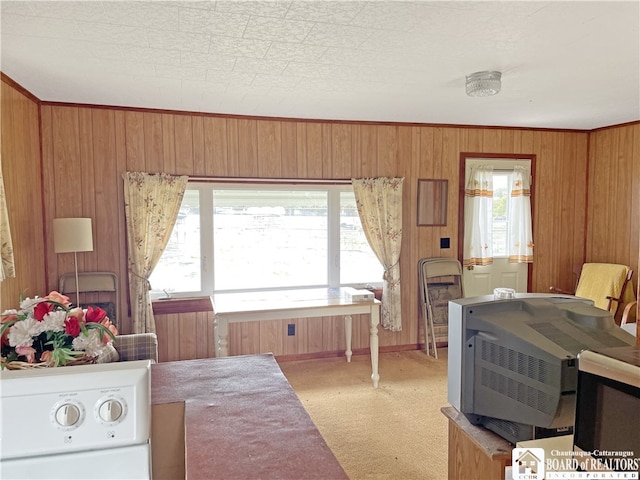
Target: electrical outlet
291,329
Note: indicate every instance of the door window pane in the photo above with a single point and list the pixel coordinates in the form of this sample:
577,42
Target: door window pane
500,213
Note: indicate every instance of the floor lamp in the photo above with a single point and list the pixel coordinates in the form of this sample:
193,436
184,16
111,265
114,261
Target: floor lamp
73,235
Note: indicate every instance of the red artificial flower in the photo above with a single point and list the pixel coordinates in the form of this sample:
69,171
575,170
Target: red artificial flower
72,326
95,314
41,309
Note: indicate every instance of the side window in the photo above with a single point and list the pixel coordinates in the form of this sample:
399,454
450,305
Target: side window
358,263
179,268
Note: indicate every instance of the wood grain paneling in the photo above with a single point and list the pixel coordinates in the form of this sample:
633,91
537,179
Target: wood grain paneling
474,452
85,150
269,149
23,177
613,208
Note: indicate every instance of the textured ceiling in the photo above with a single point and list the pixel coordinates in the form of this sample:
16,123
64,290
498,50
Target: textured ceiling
565,64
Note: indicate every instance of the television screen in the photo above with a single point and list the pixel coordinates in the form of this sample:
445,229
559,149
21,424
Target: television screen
608,409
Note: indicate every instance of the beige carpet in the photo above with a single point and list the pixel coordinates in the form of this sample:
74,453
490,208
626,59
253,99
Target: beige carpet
394,432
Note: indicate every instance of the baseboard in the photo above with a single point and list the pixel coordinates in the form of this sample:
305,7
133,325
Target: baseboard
438,345
340,353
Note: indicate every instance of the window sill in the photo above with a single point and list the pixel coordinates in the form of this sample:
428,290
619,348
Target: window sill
181,305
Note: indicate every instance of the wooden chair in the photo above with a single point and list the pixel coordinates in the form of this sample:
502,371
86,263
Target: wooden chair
440,281
629,310
605,284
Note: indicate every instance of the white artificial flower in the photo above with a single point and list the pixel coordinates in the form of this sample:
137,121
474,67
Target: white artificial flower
30,303
91,344
53,321
22,332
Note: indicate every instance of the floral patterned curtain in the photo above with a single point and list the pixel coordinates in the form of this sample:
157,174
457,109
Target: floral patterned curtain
7,268
379,202
478,205
520,237
151,205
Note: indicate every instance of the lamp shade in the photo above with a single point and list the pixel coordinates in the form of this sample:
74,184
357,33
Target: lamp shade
72,235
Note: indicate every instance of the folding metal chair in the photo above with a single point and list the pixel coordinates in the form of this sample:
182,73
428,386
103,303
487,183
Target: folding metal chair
94,282
440,281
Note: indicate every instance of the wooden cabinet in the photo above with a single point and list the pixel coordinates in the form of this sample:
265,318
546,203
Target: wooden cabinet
475,453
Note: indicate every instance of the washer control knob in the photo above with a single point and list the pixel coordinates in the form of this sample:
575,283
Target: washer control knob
110,411
67,415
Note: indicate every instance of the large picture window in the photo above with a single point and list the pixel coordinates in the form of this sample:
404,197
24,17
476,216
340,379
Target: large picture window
233,237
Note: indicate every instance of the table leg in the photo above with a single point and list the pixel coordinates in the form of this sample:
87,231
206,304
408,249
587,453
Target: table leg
221,336
348,325
373,343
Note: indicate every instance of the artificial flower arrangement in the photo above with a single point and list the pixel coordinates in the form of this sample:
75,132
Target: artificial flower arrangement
49,332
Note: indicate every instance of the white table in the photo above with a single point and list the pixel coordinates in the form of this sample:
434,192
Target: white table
286,304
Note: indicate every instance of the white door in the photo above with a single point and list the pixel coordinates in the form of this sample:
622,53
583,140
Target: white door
481,280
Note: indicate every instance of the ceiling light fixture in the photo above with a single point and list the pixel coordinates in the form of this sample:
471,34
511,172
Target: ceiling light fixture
483,84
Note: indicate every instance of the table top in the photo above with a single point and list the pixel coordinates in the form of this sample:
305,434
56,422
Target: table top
243,420
278,300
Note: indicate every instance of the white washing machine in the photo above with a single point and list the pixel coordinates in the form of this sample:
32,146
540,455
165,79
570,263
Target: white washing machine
89,421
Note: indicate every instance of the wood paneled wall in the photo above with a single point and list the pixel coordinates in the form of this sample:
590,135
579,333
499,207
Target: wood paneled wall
85,150
613,210
186,336
22,174
99,144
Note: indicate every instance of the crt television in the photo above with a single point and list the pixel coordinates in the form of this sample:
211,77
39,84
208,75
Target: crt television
512,364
